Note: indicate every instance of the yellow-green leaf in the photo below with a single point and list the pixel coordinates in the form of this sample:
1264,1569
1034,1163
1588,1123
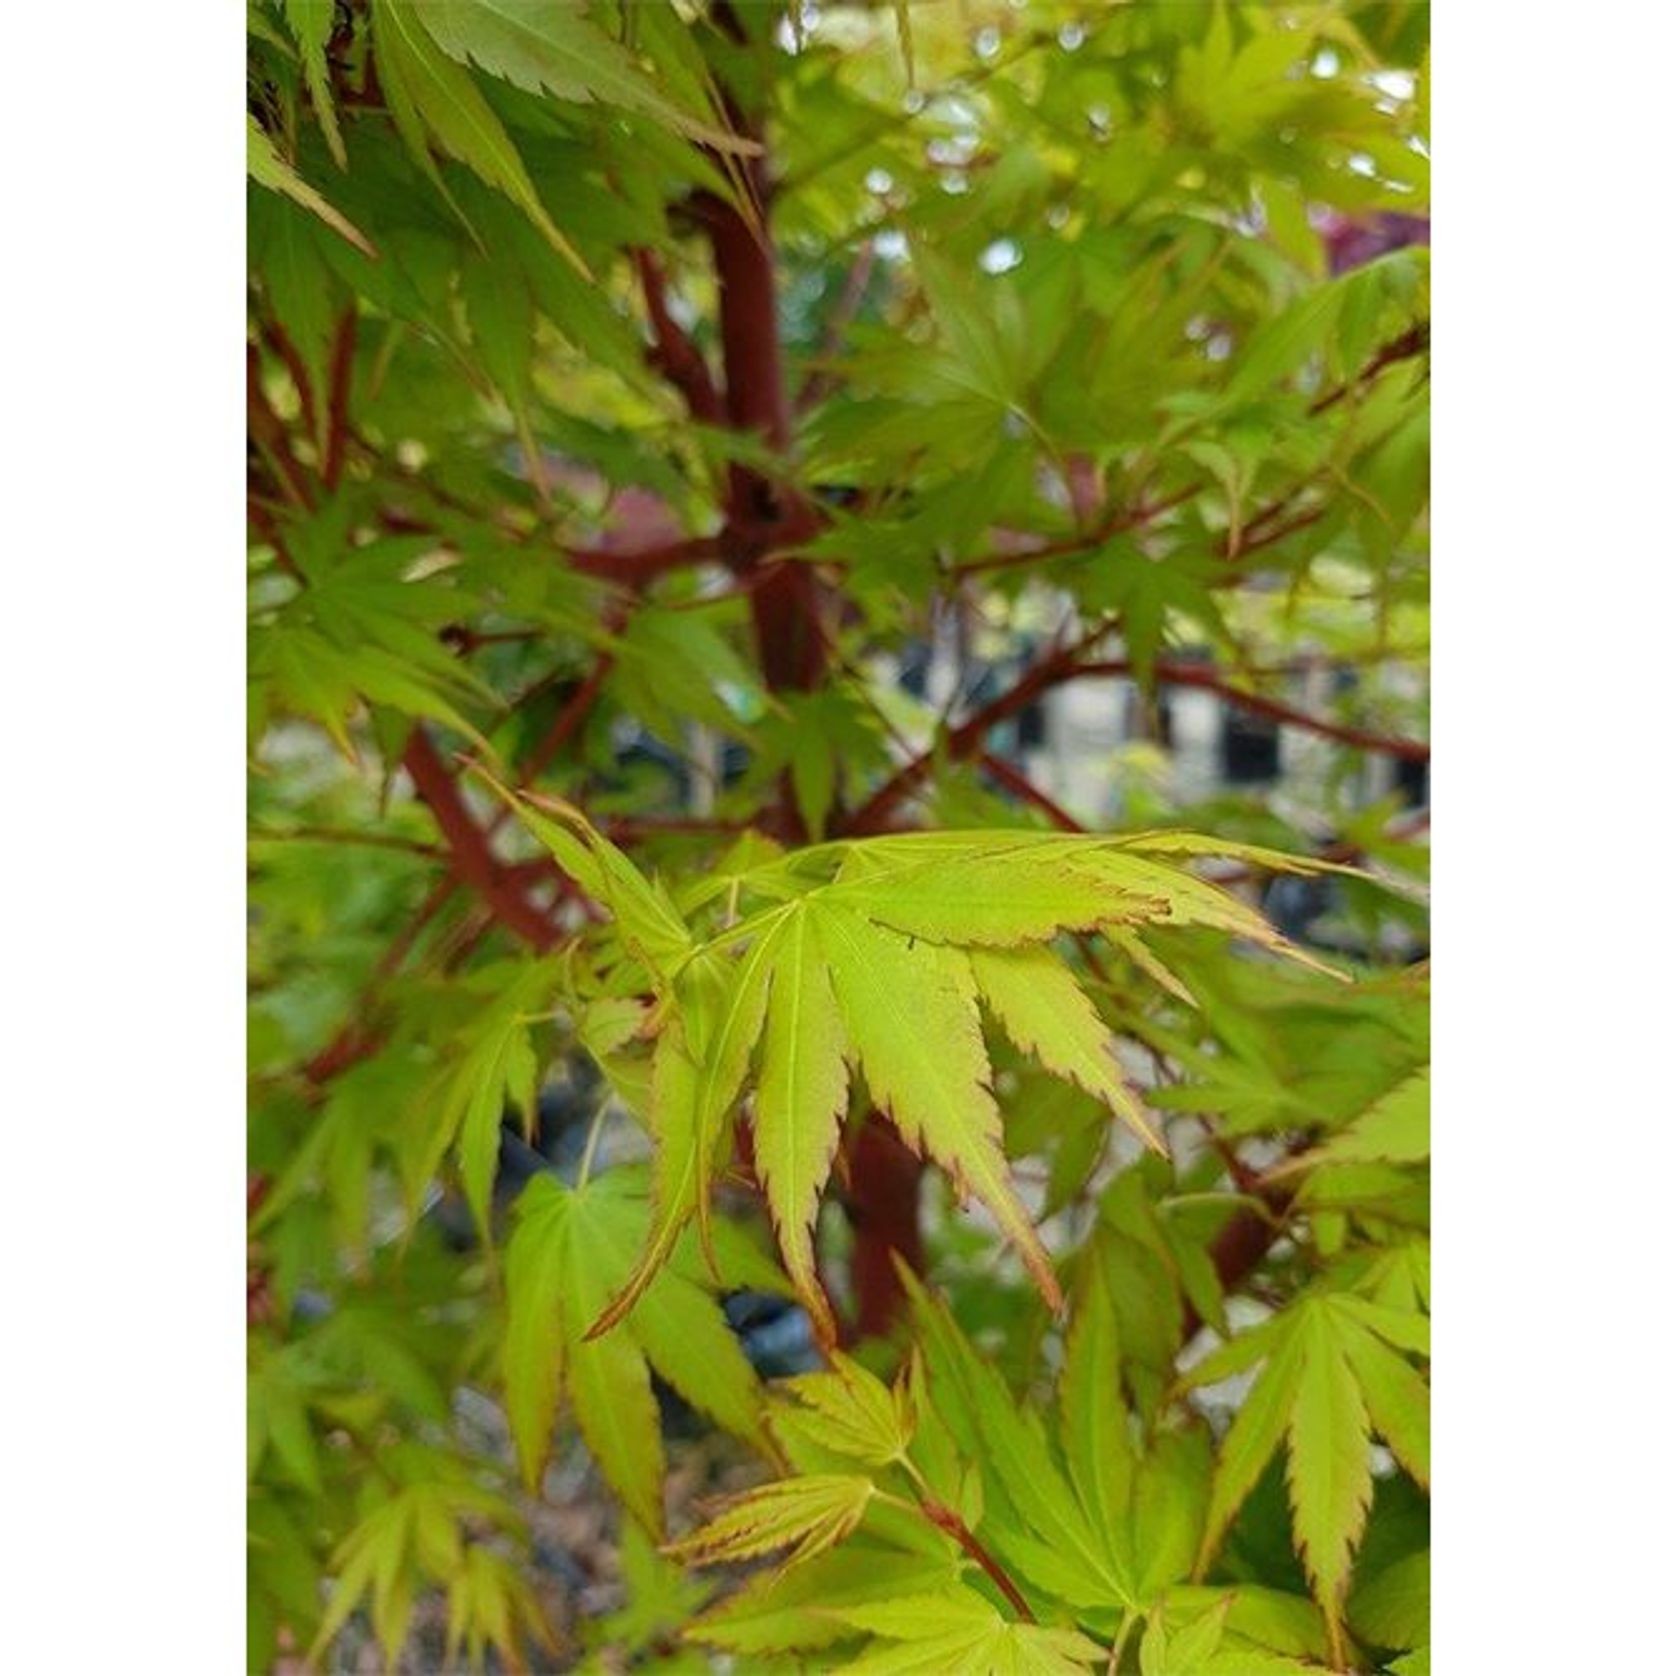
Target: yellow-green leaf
1047,1013
806,1515
800,1103
568,1254
267,168
676,1166
859,1414
1251,1441
532,1356
993,901
911,1012
1094,1424
1329,1475
1394,1130
1398,1401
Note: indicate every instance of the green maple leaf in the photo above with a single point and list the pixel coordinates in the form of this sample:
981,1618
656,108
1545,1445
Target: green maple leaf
958,1630
1332,1377
311,22
555,49
662,1598
1047,1013
266,167
1394,1129
491,1604
434,100
1201,1646
852,1412
568,1254
910,1011
796,1609
494,1067
874,960
808,1515
1069,1542
411,1538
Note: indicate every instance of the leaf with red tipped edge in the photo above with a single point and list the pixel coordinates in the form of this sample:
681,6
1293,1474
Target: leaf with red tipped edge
1327,1385
675,1170
801,1098
807,1515
911,1010
1044,1009
994,901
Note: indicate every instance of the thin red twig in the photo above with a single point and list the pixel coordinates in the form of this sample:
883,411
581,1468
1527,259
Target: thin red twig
1415,341
1060,665
470,857
279,340
268,432
947,1520
340,375
1135,518
355,1040
674,353
1021,786
1208,680
569,719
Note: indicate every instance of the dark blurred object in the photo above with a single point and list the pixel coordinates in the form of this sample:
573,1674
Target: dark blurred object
1032,727
1353,241
562,1114
775,1332
914,670
1414,783
777,1339
1250,749
1295,902
1195,656
1320,912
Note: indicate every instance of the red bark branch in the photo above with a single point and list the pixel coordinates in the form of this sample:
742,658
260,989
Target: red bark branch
632,569
267,431
786,607
1245,1240
1207,680
1415,341
355,1040
674,353
966,740
340,376
1062,665
279,340
1116,524
883,1210
635,570
569,719
1233,550
786,613
947,1520
471,860
1022,786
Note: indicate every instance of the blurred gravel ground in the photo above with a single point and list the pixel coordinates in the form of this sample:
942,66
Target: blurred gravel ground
573,1566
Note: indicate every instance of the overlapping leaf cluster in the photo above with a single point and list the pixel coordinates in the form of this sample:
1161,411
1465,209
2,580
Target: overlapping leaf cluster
873,958
971,1533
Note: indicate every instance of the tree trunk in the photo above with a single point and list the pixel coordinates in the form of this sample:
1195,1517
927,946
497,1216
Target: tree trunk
786,610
